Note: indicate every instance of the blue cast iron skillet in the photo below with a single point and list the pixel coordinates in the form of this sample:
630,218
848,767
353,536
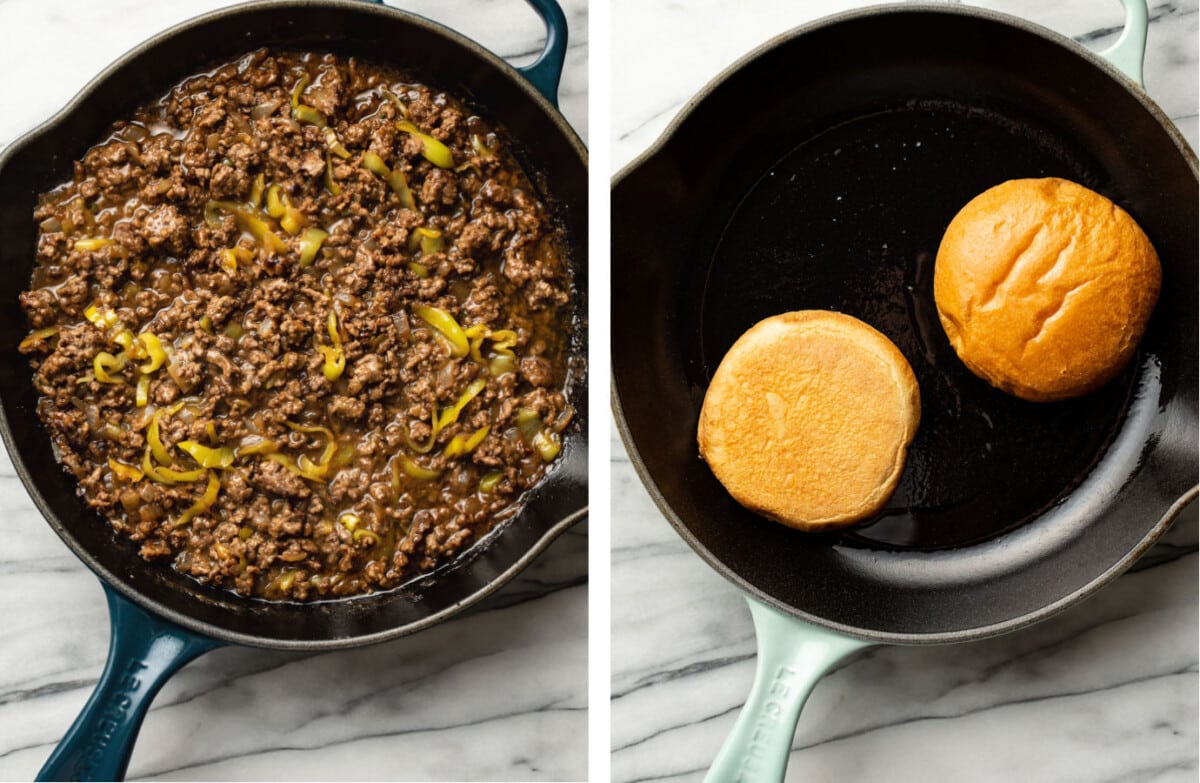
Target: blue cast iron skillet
161,620
820,173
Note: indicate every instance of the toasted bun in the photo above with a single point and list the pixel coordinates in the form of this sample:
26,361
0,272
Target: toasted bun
808,419
1044,287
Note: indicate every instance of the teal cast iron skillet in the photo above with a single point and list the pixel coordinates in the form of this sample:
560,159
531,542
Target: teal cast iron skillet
820,173
160,619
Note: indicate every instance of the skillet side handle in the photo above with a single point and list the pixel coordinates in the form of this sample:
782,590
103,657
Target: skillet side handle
545,72
792,656
143,652
1129,52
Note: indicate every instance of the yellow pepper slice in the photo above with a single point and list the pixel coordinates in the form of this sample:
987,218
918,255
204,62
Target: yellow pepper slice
444,323
418,269
488,483
399,185
310,244
373,163
154,349
462,444
330,184
450,415
142,395
257,445
428,446
207,457
275,205
92,243
256,190
547,445
416,471
349,520
36,336
335,144
127,472
106,363
432,150
359,535
205,502
335,361
104,318
167,475
428,239
229,261
250,222
299,110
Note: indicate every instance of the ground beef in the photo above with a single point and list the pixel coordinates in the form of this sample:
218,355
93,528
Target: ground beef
318,426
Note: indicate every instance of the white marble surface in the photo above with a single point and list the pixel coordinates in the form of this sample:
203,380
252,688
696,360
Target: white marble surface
1106,691
497,694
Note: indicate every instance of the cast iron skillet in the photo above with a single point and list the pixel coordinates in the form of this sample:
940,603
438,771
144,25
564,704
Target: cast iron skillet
820,172
161,620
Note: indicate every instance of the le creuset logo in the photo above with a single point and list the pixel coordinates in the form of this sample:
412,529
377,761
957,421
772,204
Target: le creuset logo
112,717
765,725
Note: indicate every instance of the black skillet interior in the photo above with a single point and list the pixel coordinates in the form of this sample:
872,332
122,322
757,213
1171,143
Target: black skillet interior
547,148
821,175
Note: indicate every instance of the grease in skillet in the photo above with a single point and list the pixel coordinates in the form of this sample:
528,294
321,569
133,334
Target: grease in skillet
300,327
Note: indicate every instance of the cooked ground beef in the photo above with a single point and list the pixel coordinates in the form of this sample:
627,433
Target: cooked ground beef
300,327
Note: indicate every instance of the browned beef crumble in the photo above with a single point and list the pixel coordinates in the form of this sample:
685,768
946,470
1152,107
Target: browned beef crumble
319,434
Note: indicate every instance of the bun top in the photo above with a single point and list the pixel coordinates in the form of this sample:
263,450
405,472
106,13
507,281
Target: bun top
808,419
1044,287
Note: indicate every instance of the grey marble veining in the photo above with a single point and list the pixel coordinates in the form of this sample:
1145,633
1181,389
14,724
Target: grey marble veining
1106,691
499,693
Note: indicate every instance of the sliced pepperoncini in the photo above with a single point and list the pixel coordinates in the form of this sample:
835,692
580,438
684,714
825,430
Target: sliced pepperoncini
167,475
310,245
488,483
463,444
432,150
154,349
302,112
36,336
428,239
106,363
330,184
205,502
256,190
450,415
94,243
445,324
257,445
410,467
207,457
126,472
335,144
251,222
142,395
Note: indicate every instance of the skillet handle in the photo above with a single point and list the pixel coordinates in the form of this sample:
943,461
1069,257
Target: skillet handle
143,652
792,656
545,72
1129,52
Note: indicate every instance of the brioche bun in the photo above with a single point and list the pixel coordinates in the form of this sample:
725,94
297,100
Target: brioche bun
1044,287
808,419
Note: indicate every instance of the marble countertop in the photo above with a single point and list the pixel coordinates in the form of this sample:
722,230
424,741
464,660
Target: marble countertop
499,693
1106,691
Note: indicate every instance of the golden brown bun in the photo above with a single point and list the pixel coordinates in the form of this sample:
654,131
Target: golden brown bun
808,419
1044,287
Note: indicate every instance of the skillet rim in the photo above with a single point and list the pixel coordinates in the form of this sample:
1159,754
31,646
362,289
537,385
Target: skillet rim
185,621
659,145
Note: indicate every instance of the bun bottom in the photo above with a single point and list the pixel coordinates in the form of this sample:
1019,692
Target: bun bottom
808,419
